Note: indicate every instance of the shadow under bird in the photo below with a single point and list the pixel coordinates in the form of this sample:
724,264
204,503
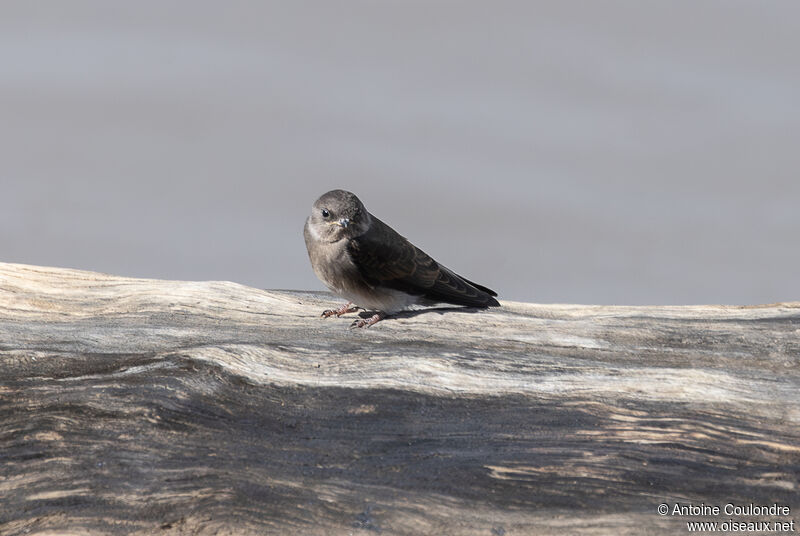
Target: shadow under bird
368,263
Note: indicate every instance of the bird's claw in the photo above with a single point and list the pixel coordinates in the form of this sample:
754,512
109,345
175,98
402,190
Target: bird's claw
367,322
343,310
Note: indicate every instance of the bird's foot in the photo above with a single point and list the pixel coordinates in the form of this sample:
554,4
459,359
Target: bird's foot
343,310
367,322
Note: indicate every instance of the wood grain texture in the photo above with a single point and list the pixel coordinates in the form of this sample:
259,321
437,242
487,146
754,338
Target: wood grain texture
131,406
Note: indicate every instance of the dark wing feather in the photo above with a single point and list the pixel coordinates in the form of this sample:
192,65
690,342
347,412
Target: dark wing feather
384,258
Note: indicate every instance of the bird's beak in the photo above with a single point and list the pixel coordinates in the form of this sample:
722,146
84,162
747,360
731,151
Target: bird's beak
344,222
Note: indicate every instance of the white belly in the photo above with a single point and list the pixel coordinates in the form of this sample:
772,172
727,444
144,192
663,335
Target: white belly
381,299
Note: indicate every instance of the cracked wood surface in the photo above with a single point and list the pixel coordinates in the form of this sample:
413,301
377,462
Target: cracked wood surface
133,406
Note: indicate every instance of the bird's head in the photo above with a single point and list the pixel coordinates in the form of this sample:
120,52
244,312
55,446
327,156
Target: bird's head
338,214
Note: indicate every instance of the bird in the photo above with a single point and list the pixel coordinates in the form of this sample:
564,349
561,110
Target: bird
374,268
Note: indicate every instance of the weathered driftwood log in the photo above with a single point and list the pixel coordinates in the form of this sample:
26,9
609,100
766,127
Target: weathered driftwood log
144,406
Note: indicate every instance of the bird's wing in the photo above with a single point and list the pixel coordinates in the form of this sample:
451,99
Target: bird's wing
384,258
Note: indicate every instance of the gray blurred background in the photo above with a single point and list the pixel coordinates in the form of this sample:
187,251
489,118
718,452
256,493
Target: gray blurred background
617,152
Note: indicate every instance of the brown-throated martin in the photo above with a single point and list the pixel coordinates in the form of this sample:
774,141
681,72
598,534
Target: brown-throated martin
369,264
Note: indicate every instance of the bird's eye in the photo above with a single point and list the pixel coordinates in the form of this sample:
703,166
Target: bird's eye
325,213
